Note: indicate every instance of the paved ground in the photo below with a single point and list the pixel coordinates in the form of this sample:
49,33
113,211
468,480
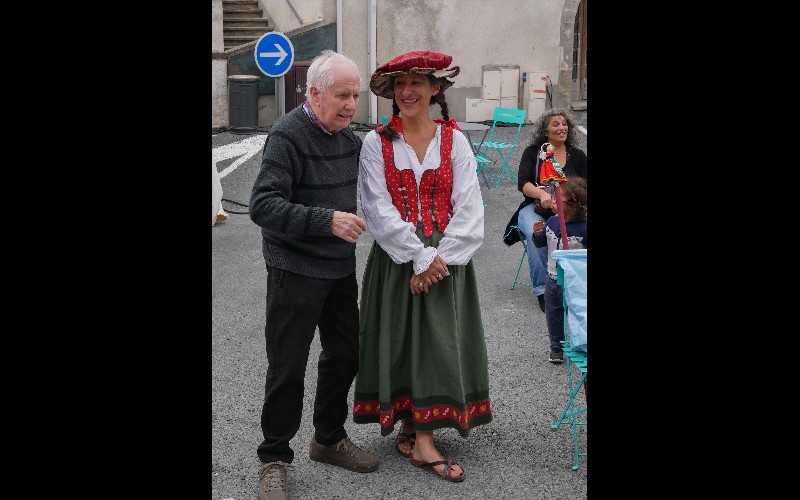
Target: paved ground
517,456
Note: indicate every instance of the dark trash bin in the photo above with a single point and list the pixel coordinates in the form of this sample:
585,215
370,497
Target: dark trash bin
243,103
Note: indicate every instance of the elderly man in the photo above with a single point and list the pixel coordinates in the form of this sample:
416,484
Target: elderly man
304,200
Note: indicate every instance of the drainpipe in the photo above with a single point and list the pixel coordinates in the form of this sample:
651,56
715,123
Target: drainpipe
339,26
373,43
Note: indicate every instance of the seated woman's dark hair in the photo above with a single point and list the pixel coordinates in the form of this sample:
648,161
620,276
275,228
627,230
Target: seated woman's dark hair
538,135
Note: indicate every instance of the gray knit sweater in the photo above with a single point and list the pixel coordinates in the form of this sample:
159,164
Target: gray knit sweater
305,175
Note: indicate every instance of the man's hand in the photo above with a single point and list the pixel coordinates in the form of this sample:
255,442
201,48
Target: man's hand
347,226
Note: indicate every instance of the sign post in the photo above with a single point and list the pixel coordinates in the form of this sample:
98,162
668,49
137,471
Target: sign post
274,55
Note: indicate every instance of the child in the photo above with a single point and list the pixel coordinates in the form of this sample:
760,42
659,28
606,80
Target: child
573,205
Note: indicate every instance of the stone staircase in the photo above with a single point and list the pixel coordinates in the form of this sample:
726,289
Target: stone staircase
242,22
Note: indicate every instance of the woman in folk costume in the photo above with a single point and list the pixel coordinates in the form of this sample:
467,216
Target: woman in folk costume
423,354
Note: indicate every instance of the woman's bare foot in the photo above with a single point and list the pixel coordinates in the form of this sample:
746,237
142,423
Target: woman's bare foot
425,451
406,446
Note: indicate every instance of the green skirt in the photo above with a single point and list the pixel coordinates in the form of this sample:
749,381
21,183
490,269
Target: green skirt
422,356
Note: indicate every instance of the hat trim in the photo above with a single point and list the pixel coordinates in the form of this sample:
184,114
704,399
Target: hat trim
380,78
438,73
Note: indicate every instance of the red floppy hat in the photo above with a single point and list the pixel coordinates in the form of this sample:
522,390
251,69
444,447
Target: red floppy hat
423,62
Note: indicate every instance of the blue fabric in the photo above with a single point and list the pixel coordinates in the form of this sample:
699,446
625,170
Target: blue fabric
573,262
537,257
554,313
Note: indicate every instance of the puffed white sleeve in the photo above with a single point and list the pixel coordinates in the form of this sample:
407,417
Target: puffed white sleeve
464,233
396,236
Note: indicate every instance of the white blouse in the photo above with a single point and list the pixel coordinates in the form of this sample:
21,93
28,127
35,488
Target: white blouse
464,233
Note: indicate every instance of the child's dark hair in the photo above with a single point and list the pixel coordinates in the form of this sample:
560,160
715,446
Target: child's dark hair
575,189
390,133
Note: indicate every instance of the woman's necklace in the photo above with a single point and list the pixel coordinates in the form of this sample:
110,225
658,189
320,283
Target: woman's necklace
561,154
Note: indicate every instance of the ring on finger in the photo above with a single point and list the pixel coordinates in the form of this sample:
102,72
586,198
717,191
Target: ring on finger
419,284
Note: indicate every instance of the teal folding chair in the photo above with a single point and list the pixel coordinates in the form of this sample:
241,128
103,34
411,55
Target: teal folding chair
579,360
483,168
504,150
576,359
521,259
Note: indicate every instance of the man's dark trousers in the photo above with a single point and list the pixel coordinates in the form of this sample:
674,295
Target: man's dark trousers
296,305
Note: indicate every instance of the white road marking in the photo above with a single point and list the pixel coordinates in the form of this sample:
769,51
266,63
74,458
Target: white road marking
246,149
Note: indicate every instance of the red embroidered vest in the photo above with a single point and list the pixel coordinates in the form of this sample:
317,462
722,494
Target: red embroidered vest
434,188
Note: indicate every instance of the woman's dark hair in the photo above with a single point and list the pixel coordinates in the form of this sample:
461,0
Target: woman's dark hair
575,189
390,133
538,135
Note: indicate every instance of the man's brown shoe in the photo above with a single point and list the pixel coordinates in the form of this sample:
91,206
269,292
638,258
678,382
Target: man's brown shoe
344,454
272,481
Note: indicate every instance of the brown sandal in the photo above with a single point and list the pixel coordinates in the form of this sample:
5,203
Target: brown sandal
404,437
447,473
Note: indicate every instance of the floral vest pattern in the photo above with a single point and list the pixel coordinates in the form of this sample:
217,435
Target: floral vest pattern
434,191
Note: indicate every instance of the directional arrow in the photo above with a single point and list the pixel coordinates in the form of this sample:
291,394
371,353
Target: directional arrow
281,54
274,54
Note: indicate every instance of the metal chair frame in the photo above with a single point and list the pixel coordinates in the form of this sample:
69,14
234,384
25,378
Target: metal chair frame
579,360
521,259
501,115
483,168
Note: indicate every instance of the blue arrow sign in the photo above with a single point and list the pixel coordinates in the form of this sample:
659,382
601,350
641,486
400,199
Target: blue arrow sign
274,54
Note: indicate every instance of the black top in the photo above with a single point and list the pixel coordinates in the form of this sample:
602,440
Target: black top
529,168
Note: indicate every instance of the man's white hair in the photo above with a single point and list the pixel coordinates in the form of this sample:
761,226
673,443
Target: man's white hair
320,72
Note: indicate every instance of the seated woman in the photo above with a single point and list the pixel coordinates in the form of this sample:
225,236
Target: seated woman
557,127
548,237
